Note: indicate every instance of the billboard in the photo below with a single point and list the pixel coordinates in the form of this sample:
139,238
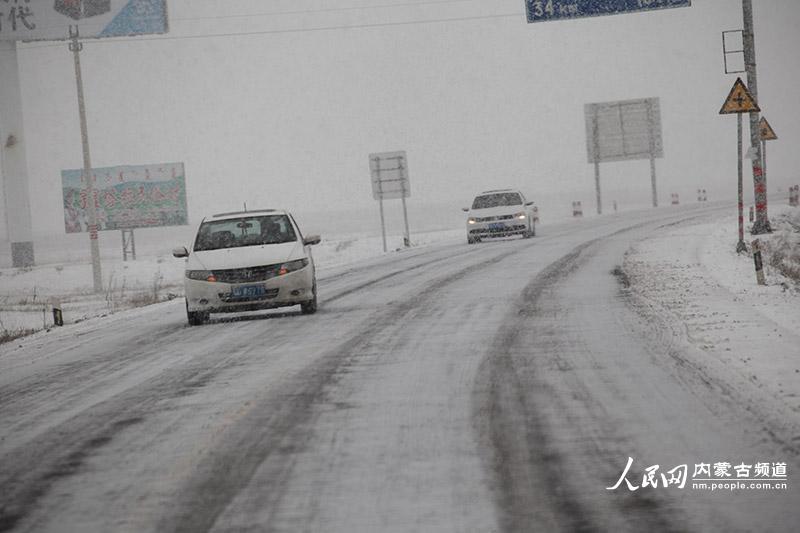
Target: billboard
125,197
37,20
623,130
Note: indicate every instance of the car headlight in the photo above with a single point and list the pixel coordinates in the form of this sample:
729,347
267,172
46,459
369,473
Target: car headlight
521,216
291,266
201,275
470,220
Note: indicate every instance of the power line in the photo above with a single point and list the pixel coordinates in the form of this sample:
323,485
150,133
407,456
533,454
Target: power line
325,10
99,26
293,30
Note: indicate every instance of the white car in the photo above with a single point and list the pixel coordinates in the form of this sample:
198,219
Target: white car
500,213
246,261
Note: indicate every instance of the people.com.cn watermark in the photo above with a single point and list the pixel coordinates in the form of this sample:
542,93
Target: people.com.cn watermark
712,476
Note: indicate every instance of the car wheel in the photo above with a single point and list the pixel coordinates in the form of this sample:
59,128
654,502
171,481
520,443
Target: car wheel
310,307
196,318
470,240
530,232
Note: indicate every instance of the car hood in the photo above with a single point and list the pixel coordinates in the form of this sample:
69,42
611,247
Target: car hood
245,256
497,211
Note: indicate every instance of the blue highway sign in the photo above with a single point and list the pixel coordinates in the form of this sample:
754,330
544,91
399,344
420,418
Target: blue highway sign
543,10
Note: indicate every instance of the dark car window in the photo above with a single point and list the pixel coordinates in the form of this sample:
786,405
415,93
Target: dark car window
245,231
497,200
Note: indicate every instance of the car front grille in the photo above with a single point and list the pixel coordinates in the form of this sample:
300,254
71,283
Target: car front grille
492,219
498,231
247,275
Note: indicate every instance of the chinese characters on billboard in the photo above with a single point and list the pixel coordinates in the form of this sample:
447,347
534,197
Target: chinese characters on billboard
126,197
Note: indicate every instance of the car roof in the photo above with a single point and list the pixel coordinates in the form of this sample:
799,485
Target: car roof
499,190
249,212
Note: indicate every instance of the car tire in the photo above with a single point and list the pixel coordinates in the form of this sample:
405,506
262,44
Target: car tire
531,231
310,307
196,318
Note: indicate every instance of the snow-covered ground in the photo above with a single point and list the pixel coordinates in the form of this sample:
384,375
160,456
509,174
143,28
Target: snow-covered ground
692,281
496,387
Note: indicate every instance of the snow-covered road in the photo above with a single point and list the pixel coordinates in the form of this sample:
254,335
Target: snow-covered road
496,387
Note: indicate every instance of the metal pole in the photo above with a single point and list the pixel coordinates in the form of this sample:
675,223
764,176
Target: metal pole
764,157
383,223
380,199
650,128
761,224
740,246
407,239
597,163
97,276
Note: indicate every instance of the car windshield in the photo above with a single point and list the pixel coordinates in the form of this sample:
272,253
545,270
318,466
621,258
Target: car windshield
497,200
245,231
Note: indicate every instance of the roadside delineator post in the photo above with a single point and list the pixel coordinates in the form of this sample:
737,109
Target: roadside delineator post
615,206
675,200
794,196
758,262
577,209
705,196
751,213
699,195
536,214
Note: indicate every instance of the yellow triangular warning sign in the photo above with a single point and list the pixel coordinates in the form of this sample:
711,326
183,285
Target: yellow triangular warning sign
767,133
739,100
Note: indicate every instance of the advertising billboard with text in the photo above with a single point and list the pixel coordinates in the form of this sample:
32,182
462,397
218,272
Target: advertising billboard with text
125,197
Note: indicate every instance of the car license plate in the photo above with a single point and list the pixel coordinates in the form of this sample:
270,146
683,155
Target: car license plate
248,291
497,225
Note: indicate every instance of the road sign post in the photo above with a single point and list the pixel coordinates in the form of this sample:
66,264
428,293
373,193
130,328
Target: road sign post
739,101
389,175
766,134
622,131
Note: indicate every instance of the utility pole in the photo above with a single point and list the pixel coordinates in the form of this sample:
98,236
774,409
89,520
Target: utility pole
761,224
97,276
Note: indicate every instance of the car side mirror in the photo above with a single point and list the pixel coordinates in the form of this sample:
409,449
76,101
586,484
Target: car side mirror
465,209
528,203
180,251
312,239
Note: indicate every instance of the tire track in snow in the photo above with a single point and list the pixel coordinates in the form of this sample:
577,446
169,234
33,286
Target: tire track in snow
276,427
524,464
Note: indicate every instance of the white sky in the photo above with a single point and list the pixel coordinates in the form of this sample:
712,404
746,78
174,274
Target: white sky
288,118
